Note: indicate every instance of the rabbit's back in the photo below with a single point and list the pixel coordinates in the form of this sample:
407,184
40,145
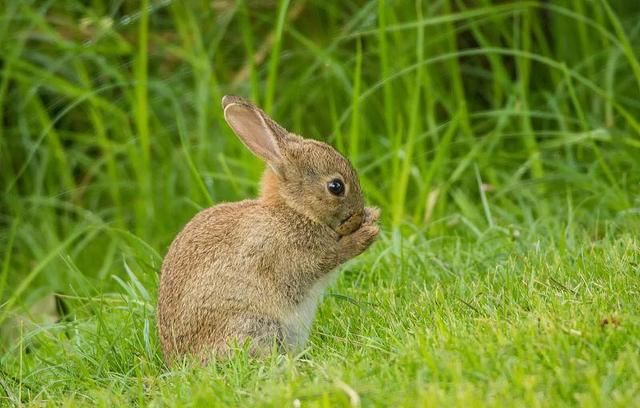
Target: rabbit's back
207,279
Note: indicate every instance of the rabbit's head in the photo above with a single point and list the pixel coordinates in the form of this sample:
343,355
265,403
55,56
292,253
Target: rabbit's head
308,175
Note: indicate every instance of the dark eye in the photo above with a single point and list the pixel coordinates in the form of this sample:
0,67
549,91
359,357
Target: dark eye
336,187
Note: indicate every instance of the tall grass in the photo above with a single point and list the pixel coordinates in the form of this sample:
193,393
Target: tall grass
464,118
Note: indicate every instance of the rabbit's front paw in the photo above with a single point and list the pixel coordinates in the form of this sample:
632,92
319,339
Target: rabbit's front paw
371,215
356,243
365,236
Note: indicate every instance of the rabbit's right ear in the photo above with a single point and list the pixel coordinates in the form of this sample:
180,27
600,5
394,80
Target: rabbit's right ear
257,131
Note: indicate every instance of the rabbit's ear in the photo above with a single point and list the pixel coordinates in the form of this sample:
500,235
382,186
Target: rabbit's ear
257,131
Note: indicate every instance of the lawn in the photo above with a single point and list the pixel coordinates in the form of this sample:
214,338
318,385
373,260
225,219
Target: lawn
501,141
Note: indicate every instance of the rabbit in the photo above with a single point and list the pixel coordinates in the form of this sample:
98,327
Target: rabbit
254,271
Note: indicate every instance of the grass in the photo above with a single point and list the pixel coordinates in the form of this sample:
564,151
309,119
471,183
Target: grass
501,141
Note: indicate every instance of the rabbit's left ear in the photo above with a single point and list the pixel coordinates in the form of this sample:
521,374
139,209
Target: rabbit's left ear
264,137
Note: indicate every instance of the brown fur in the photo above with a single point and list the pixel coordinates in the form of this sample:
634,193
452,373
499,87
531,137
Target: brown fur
252,270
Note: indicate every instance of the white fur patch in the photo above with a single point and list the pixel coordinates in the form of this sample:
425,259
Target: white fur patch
297,323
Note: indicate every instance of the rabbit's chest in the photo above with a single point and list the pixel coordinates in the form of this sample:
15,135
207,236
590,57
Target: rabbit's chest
297,322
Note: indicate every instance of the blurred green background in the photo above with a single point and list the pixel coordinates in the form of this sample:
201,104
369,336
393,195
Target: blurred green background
461,116
112,127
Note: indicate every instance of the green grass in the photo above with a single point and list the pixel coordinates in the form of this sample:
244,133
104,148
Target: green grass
500,139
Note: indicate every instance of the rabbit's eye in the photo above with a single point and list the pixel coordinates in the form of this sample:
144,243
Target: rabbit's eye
336,187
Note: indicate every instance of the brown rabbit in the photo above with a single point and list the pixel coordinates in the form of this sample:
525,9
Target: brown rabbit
255,270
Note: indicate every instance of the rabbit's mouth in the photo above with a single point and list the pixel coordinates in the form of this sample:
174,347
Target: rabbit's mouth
350,224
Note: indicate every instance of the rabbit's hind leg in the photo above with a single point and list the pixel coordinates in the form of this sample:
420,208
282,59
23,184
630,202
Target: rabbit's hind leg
264,334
